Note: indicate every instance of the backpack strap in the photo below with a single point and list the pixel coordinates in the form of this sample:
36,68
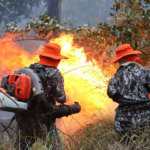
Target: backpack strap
40,73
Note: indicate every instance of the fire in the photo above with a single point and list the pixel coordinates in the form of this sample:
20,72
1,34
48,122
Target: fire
84,81
13,57
86,84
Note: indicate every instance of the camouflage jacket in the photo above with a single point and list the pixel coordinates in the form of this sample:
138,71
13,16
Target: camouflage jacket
55,92
55,84
130,87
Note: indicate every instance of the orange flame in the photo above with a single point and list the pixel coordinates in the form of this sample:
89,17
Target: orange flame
86,84
13,57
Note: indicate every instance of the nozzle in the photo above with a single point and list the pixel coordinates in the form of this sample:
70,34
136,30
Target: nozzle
66,110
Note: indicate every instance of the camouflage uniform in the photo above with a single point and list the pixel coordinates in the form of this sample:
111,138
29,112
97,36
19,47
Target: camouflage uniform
130,87
31,125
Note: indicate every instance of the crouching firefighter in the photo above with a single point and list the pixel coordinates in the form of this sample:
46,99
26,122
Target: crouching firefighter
36,89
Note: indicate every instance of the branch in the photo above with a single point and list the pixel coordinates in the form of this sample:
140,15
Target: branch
27,38
31,39
27,13
42,10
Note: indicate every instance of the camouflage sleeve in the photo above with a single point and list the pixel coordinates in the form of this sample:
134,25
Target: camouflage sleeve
58,88
111,90
147,80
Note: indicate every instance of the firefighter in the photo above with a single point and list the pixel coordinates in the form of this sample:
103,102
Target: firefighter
35,124
129,87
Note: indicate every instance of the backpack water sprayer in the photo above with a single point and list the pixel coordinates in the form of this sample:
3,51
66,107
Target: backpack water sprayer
25,85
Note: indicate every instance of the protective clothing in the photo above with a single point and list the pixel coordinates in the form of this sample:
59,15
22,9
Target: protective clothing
49,61
129,87
34,124
52,50
131,58
122,51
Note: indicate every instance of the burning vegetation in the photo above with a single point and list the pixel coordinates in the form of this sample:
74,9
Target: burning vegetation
85,82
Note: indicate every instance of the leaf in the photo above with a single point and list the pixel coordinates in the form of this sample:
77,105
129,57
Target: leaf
51,22
49,18
115,4
49,34
129,29
86,25
134,136
129,11
12,27
40,22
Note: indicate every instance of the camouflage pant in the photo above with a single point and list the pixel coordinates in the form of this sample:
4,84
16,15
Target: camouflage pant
29,129
132,117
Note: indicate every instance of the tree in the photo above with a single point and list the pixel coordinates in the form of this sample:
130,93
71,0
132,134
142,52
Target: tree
54,9
14,10
124,7
130,25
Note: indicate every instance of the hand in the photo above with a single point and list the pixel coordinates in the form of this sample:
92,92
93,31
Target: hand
62,104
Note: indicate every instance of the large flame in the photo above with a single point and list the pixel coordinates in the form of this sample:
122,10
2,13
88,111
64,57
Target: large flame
84,81
13,57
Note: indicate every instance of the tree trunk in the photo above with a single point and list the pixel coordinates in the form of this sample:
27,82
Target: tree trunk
124,5
54,9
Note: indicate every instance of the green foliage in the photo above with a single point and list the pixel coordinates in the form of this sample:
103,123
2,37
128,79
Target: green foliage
131,26
46,28
12,10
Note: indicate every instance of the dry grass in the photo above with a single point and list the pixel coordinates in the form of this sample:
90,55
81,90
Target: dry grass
99,135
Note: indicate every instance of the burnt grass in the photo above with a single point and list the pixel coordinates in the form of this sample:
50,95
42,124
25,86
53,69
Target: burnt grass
98,135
